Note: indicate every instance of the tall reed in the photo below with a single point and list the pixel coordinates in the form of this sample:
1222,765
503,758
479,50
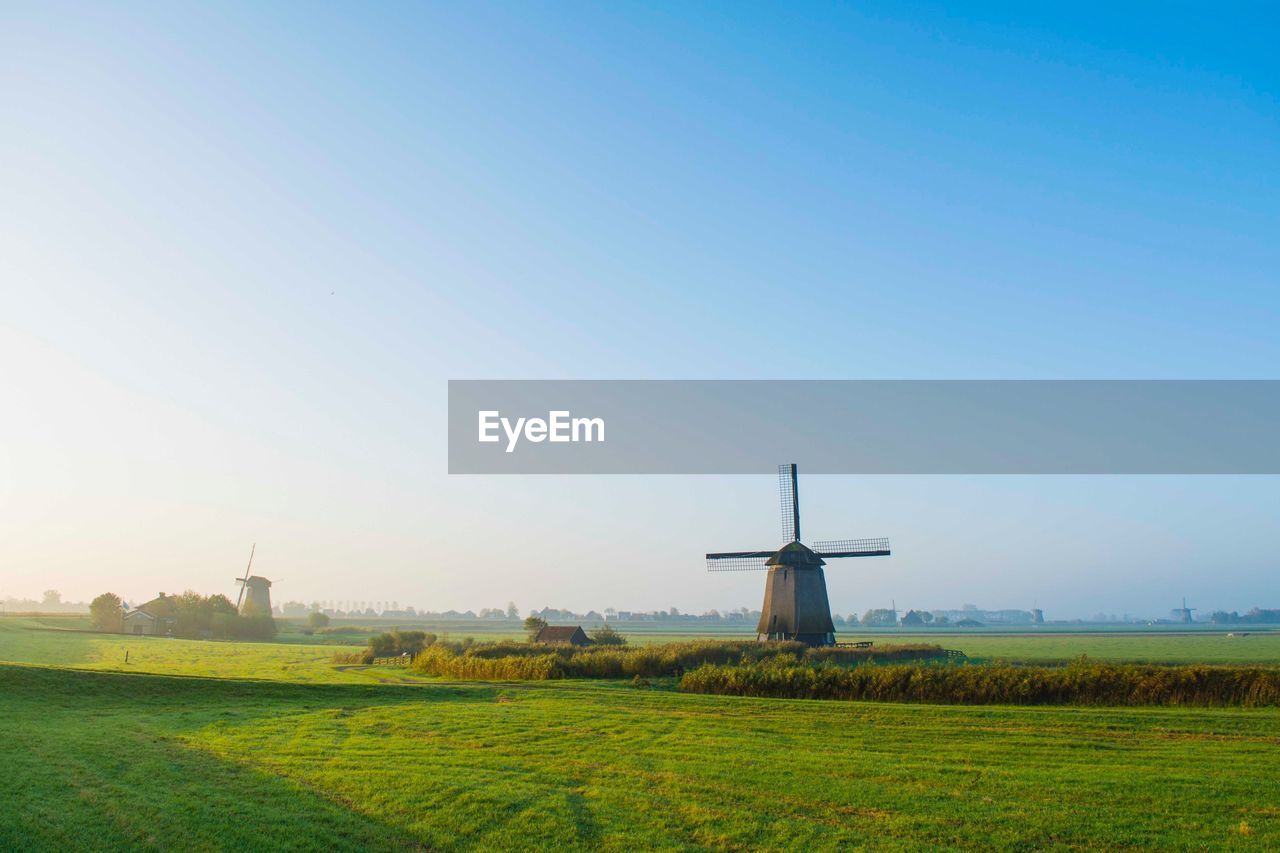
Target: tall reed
1080,683
505,660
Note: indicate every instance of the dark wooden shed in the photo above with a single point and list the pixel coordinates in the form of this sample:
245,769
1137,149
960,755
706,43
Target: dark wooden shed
572,635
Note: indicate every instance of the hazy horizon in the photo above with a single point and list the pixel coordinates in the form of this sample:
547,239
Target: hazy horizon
247,246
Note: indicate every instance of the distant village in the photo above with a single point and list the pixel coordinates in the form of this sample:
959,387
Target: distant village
966,616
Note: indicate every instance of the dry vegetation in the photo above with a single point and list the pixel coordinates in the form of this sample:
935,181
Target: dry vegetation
1080,683
531,661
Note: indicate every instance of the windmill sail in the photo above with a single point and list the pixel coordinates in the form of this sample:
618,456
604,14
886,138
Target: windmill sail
832,548
731,563
790,503
245,580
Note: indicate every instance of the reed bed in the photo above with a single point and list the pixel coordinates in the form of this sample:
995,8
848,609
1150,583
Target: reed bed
531,661
1080,683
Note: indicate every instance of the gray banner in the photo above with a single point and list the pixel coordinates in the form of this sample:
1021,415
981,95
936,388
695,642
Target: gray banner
864,426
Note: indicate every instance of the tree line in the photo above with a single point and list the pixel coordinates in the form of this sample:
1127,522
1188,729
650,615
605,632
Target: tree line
195,616
1256,616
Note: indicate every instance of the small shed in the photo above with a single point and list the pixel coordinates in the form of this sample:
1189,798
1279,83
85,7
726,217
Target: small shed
572,635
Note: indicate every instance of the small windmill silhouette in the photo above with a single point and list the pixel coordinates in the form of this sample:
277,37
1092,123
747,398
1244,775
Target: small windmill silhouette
257,601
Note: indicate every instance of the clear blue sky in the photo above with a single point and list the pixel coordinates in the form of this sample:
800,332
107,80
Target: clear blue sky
243,248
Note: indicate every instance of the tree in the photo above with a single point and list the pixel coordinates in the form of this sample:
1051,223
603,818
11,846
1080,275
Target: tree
52,597
318,619
605,635
399,642
193,614
533,625
261,627
912,619
105,612
879,618
221,604
223,618
513,612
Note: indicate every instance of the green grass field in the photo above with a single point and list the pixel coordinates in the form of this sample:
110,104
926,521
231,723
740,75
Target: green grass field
1047,644
1129,647
60,641
274,747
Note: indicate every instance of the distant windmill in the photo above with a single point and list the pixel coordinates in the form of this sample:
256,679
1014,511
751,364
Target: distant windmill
1183,614
255,591
795,591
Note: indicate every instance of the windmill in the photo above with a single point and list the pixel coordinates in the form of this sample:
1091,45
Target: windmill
258,600
795,590
1183,614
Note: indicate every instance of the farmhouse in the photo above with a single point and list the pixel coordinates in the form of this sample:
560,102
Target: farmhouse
566,634
156,617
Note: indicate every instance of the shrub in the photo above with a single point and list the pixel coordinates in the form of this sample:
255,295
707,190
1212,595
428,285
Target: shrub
350,657
261,627
397,642
605,635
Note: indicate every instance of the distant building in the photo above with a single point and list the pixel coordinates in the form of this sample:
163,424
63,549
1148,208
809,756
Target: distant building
155,618
572,635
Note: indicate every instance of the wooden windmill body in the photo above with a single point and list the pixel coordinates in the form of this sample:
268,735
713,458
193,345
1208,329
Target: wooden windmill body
255,592
795,591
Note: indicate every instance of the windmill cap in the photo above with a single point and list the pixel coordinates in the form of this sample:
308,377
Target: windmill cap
796,555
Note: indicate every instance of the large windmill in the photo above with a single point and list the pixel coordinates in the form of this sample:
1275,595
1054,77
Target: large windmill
255,592
795,591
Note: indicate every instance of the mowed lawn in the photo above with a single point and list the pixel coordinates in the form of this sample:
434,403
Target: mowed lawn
210,745
44,641
97,760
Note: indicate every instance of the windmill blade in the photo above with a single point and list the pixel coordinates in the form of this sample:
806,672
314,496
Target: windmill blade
739,561
790,503
837,548
731,563
244,583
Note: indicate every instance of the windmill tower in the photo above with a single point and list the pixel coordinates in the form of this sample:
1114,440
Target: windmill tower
795,590
255,592
1183,614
